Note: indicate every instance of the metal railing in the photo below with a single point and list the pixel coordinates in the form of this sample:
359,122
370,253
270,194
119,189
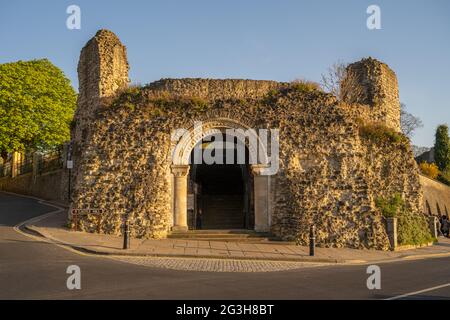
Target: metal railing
5,169
45,162
26,165
50,161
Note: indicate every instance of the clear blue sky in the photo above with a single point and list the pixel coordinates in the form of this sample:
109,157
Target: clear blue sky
257,39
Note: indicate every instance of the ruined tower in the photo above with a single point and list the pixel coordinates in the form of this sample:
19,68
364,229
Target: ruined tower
372,83
102,71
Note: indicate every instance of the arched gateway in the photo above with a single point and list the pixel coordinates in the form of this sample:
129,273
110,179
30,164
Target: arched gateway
189,194
129,163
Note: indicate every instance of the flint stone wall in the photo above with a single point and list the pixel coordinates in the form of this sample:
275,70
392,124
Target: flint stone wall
377,88
215,89
329,175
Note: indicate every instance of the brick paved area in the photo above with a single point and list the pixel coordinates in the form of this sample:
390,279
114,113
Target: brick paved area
217,265
219,256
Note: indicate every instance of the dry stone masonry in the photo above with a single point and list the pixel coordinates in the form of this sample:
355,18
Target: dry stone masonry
330,173
373,84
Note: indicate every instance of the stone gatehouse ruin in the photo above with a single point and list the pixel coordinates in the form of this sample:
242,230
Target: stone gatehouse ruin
332,167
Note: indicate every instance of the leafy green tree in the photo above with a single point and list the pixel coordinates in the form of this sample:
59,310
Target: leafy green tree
442,148
37,104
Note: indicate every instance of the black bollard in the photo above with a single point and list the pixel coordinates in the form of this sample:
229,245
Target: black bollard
126,235
312,240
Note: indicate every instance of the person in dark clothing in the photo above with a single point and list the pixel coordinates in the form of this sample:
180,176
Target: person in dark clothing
439,227
445,226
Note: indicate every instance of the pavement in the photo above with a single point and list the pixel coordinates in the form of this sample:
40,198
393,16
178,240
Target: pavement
52,227
33,268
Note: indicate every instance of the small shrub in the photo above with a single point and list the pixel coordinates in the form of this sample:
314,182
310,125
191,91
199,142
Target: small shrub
380,134
160,102
301,86
429,169
413,230
199,104
412,227
128,98
305,86
164,101
390,208
271,96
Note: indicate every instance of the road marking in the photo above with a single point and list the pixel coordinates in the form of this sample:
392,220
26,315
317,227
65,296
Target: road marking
427,256
37,218
47,239
417,292
67,246
55,242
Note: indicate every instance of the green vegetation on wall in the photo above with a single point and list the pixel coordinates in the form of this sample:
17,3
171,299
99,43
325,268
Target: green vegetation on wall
160,103
296,86
412,227
390,207
381,134
305,86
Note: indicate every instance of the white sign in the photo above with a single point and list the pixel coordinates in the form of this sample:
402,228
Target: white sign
69,164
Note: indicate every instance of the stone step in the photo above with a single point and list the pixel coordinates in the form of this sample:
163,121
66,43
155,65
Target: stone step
215,231
215,235
240,240
260,240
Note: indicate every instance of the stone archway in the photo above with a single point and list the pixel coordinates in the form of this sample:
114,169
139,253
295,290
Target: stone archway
180,169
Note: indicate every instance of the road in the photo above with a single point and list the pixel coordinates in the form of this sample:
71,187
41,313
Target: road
33,269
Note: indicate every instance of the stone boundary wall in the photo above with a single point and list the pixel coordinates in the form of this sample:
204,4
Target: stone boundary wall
436,196
49,186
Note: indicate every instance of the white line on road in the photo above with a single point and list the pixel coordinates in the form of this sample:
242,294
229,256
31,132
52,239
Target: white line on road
417,292
56,242
37,218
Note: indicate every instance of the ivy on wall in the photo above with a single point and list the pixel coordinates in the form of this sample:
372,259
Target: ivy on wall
412,227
